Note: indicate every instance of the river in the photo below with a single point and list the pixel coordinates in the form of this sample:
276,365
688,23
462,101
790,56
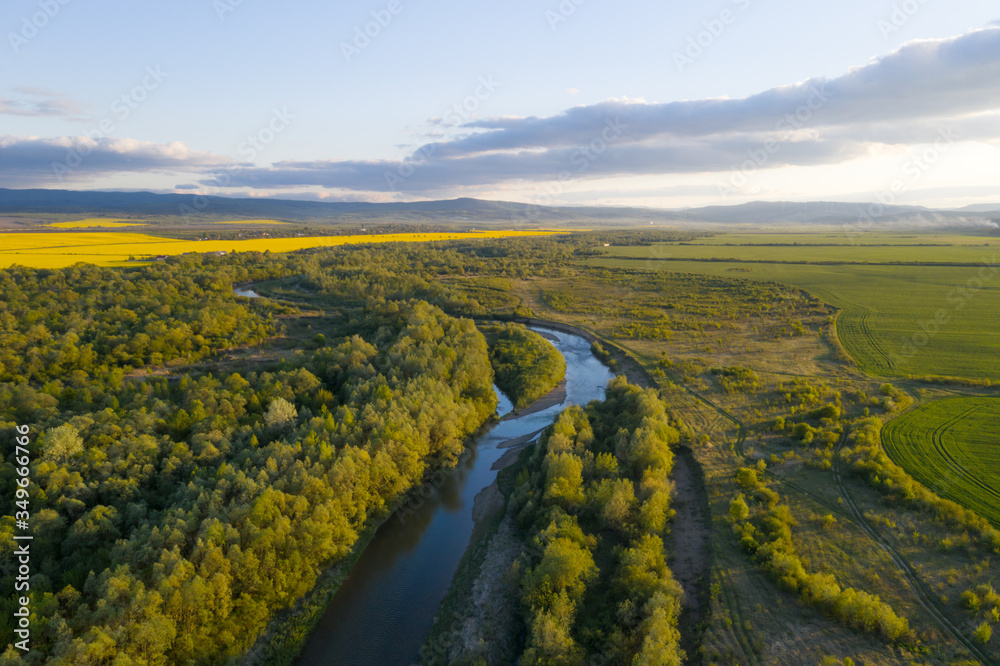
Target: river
246,292
383,612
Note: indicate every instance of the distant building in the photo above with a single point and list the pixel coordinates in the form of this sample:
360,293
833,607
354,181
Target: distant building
161,257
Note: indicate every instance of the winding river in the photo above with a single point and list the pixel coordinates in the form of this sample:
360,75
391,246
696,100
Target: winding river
383,612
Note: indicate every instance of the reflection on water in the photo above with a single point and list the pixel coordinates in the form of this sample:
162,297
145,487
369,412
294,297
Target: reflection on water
383,611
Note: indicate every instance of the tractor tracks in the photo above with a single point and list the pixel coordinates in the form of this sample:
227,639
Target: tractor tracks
914,582
855,515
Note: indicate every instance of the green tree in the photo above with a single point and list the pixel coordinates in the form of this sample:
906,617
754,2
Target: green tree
280,414
61,444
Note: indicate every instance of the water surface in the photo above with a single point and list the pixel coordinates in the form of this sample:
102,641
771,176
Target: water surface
383,612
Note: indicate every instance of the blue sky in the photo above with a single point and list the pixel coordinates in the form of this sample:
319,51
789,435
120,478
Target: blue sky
580,102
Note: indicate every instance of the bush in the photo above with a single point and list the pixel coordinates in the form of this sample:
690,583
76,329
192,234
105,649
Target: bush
827,412
984,633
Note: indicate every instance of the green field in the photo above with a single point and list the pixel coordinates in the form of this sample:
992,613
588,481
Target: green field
953,447
984,251
888,313
846,237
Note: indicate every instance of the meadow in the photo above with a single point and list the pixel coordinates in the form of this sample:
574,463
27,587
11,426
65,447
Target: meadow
896,320
951,447
918,251
847,236
59,250
696,335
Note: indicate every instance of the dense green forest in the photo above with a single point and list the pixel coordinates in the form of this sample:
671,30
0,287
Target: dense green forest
594,502
174,515
180,499
86,322
526,365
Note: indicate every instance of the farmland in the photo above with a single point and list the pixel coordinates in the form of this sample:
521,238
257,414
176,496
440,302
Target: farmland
58,250
117,223
928,252
900,320
724,345
951,446
94,223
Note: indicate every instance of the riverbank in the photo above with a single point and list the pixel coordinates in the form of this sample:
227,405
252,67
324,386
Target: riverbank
384,611
689,542
478,618
481,582
282,642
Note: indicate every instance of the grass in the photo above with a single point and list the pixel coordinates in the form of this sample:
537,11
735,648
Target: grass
951,446
55,250
724,320
94,222
845,236
888,315
802,253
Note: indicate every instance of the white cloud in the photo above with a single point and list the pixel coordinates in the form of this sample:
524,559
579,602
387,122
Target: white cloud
904,97
32,161
39,102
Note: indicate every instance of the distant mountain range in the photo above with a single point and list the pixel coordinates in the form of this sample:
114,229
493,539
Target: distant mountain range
760,213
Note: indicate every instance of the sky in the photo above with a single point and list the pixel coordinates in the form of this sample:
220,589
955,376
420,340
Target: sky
571,102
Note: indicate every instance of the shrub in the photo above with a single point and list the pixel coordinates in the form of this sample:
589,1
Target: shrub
984,633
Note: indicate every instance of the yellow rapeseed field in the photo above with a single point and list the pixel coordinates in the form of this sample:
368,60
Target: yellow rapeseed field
93,222
57,250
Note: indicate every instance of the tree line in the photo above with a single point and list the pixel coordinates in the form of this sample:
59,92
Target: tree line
594,505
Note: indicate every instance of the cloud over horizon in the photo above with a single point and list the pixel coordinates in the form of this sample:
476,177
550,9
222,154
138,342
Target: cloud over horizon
903,98
33,161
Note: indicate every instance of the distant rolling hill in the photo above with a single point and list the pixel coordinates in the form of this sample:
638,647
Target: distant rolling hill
761,213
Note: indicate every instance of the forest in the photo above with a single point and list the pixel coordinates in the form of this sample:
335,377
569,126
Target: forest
173,515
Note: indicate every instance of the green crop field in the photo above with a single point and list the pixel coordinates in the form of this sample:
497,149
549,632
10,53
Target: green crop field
923,251
896,321
845,236
953,447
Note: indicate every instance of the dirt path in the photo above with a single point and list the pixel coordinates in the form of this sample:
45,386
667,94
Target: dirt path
689,544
